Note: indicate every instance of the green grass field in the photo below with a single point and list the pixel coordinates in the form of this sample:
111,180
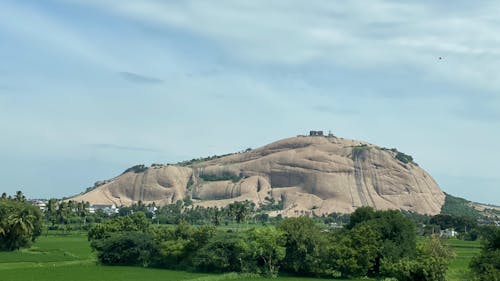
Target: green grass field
69,258
459,267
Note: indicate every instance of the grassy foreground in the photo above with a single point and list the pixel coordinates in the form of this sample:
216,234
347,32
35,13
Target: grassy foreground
459,267
64,258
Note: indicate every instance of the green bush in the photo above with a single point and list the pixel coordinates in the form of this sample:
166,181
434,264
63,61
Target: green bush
305,246
136,169
126,248
486,266
430,263
227,252
405,158
225,176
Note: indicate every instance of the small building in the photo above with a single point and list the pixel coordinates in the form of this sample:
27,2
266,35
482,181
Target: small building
107,209
316,134
42,204
448,233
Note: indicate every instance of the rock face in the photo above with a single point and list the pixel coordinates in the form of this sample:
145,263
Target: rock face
310,174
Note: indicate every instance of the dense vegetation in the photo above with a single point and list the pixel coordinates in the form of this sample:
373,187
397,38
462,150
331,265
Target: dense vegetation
20,223
375,243
405,158
458,207
63,257
221,177
203,159
136,169
486,266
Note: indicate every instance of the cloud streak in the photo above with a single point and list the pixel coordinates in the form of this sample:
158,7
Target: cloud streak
369,35
138,78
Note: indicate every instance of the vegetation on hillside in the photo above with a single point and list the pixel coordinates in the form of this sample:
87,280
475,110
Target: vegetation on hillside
224,176
203,159
405,158
136,169
461,207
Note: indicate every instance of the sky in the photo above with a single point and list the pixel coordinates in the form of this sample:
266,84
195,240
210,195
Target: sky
89,88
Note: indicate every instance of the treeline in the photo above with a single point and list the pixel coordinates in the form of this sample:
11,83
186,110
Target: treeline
374,243
237,212
20,222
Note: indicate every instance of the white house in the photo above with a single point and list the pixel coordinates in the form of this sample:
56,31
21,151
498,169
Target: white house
448,233
107,209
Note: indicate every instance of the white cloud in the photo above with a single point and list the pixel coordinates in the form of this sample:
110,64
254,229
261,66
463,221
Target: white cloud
26,22
350,33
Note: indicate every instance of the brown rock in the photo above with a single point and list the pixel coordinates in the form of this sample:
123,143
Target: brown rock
312,174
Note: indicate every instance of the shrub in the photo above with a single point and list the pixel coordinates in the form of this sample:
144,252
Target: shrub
136,169
486,266
127,248
227,252
405,158
222,177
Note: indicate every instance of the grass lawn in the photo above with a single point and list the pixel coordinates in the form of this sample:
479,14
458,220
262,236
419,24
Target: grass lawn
459,267
69,258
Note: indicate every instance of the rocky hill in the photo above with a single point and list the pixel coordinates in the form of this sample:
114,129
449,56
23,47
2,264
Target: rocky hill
317,174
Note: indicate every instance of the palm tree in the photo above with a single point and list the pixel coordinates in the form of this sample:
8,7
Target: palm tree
19,196
51,213
21,229
22,223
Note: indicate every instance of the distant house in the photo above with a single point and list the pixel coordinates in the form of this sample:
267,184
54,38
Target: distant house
42,204
448,233
152,209
107,209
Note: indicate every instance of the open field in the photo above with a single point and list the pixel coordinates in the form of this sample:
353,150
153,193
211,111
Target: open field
459,267
69,258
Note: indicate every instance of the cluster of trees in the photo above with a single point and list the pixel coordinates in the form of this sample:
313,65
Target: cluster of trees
374,243
237,212
20,222
486,266
71,215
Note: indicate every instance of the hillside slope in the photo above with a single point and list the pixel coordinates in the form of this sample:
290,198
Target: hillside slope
311,174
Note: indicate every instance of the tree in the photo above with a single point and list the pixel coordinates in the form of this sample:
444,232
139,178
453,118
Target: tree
20,224
126,248
397,234
353,253
226,252
268,248
19,196
430,263
486,266
240,210
304,246
133,223
360,215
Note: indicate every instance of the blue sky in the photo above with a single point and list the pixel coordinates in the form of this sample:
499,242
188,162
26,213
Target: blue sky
89,88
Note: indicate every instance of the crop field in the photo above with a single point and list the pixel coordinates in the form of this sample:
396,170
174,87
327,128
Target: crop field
69,258
459,267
